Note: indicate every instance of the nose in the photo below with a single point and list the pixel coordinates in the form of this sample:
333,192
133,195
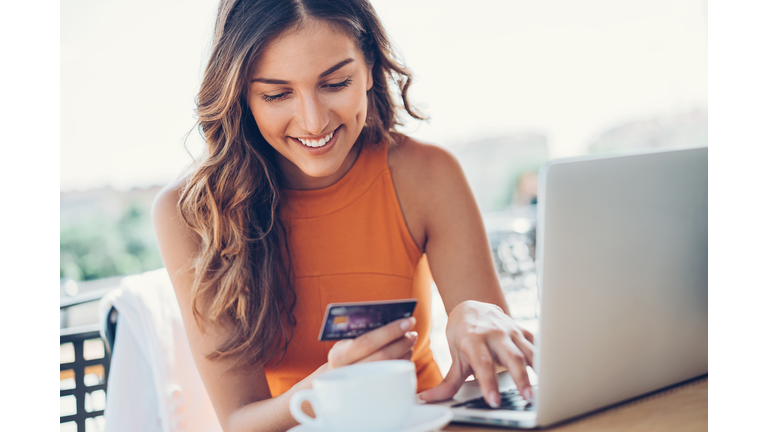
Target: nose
312,115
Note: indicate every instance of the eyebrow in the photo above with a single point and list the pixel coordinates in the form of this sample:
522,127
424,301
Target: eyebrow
329,71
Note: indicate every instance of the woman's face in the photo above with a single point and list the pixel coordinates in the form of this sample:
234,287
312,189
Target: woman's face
307,94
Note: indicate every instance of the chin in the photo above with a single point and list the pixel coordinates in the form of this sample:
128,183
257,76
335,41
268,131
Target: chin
321,172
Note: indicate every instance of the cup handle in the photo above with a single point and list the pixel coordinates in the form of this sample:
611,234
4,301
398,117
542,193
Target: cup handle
295,408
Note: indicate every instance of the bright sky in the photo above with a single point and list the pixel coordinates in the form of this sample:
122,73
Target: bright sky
130,71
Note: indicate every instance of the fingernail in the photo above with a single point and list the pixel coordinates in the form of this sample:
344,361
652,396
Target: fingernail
528,393
413,335
407,324
495,400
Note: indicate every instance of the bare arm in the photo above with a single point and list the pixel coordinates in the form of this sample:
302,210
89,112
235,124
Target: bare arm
241,397
445,220
237,394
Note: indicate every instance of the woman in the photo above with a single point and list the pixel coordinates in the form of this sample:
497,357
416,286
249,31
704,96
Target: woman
305,196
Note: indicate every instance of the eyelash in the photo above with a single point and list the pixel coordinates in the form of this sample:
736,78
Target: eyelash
269,98
332,87
341,85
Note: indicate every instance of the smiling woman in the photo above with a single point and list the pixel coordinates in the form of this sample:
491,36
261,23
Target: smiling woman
313,113
307,196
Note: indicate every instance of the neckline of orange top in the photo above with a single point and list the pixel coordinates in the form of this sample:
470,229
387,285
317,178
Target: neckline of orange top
371,163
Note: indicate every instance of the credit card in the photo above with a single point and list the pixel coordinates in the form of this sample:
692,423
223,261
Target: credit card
350,320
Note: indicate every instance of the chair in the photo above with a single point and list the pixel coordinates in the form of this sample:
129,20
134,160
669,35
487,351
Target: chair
154,384
84,369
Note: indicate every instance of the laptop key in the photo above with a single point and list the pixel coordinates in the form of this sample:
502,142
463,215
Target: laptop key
510,400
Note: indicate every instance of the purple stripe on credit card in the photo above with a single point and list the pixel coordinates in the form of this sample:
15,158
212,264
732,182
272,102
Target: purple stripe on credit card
350,320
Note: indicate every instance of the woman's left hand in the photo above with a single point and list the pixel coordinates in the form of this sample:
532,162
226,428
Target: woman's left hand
480,334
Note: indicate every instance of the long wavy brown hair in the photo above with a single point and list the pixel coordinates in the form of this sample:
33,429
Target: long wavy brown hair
232,198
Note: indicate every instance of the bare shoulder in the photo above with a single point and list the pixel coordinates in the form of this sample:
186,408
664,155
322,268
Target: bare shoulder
427,180
178,243
421,160
165,212
424,171
164,207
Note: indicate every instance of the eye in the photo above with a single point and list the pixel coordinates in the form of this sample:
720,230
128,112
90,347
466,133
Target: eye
273,98
341,85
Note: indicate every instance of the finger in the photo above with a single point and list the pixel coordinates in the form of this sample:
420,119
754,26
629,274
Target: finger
481,361
336,353
525,345
514,360
394,350
450,385
407,356
528,336
353,350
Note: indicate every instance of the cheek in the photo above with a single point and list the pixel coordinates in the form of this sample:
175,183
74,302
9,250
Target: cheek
269,120
352,105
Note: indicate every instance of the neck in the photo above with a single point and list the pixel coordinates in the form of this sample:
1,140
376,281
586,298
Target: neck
294,178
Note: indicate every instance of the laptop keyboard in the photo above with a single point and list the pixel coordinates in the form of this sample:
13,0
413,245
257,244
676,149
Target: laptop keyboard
510,400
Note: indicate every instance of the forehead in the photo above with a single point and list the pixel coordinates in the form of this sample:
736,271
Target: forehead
307,50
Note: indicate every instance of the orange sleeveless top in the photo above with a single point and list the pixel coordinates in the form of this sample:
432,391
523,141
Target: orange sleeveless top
349,243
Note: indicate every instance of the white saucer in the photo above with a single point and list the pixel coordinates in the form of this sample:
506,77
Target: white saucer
424,418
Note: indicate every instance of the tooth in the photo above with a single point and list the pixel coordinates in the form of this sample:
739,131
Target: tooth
317,143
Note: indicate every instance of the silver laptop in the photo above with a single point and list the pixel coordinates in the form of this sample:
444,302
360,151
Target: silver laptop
622,271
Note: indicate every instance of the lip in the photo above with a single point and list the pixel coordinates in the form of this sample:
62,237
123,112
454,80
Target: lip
317,151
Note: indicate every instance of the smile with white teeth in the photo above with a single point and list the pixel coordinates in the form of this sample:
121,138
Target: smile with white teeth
317,143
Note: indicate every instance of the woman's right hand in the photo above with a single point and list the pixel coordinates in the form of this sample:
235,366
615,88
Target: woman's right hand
390,342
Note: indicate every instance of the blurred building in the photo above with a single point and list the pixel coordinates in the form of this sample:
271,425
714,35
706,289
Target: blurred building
501,171
687,129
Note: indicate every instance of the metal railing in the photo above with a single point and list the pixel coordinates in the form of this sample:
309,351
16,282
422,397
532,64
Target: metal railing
84,370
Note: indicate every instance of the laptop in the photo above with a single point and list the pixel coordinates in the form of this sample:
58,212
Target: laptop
622,269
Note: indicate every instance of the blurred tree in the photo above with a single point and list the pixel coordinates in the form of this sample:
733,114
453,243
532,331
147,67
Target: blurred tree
97,247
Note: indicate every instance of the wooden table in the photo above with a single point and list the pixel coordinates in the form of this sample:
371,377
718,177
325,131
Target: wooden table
681,408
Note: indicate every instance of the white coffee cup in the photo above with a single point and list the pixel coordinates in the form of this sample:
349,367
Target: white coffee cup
372,397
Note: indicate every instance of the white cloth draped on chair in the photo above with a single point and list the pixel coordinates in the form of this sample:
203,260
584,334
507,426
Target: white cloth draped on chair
153,382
